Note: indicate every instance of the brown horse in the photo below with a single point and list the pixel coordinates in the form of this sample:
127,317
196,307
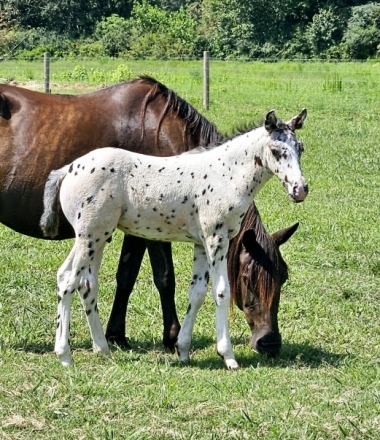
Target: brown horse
41,132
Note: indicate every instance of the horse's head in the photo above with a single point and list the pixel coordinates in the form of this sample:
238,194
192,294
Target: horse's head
284,153
263,271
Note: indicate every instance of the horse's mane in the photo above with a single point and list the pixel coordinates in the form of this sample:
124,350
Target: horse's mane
195,123
262,266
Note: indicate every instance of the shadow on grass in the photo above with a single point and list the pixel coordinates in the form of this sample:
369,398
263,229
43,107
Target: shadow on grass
291,356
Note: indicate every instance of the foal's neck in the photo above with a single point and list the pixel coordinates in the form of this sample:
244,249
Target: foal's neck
246,155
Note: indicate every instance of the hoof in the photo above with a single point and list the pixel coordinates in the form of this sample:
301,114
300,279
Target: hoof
184,358
119,340
65,359
170,344
231,364
104,350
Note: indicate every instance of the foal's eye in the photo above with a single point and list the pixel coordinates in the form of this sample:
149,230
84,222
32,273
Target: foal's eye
276,152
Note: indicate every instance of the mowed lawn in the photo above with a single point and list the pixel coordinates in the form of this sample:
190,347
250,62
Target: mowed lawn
326,382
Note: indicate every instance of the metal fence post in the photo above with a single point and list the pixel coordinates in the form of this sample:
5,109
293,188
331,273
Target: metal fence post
206,80
46,72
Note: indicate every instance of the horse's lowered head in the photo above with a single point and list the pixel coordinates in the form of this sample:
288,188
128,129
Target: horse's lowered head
257,277
284,153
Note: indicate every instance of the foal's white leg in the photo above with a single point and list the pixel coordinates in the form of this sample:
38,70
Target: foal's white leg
79,271
217,248
67,284
88,291
197,293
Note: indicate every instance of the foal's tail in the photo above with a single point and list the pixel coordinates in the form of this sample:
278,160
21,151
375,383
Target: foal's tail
50,218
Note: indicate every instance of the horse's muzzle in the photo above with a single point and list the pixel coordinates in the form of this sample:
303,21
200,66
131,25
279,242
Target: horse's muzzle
269,344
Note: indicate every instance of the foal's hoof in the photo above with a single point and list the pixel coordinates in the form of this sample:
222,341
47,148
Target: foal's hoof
231,364
65,360
184,358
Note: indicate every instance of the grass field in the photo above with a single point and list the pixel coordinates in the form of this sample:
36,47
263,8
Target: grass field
326,382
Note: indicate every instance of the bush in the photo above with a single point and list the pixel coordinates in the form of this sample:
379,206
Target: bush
160,35
362,35
121,73
324,32
114,35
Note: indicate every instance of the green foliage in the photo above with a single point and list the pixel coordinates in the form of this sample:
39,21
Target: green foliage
121,73
362,36
114,33
98,75
95,75
333,83
324,31
225,29
163,29
157,34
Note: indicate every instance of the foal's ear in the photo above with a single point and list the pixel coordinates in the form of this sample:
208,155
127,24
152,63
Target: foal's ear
297,122
249,240
282,236
270,121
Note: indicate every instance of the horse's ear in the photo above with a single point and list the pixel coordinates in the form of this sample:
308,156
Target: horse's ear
4,107
282,236
297,122
249,240
270,121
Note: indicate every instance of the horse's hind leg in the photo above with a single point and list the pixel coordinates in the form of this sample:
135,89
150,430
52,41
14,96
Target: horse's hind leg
67,284
88,290
79,271
197,294
131,256
161,260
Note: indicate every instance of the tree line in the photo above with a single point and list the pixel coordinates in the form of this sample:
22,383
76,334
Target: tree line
183,29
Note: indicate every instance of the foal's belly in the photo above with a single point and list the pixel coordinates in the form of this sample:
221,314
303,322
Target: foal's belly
160,228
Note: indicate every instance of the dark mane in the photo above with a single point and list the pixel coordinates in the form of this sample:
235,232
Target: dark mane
263,265
195,123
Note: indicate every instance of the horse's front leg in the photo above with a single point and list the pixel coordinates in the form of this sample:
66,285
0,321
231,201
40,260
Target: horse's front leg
217,249
197,294
131,256
161,260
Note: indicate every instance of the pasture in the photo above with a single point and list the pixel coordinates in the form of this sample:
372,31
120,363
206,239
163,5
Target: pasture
326,382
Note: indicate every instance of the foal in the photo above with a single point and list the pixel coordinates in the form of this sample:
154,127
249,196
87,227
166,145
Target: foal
178,198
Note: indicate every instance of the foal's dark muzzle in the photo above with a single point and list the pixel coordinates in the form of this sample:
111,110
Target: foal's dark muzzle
269,344
299,192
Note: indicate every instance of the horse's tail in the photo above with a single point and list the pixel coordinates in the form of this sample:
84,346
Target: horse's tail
50,218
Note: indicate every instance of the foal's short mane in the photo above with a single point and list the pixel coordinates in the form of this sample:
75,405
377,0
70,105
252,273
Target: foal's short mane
222,139
194,122
262,265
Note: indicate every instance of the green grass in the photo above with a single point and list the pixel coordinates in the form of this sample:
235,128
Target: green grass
325,383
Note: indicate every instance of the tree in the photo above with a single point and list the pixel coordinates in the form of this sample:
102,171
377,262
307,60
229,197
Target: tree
324,31
66,17
362,36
